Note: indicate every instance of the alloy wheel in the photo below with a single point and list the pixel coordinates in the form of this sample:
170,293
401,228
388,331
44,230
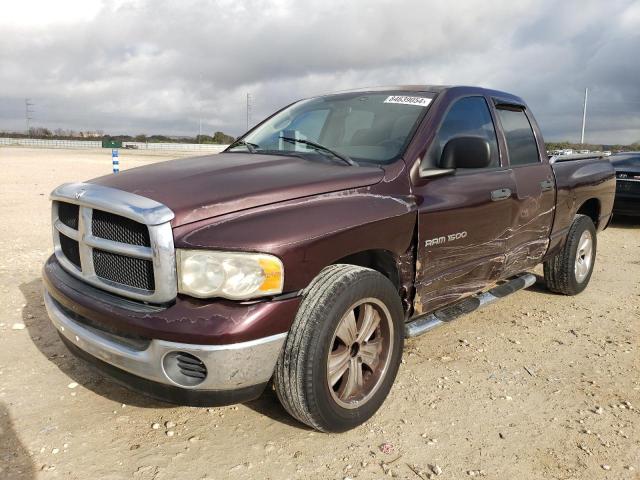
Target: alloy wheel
360,353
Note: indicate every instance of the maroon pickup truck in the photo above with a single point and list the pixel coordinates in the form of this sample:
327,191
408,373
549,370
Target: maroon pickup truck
303,255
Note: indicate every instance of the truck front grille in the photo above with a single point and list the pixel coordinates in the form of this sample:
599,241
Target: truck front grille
133,257
135,272
70,249
68,214
118,229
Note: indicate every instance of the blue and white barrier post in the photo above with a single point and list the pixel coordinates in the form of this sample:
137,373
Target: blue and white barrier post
115,160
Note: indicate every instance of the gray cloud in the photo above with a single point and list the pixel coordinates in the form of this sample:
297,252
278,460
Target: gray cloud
153,66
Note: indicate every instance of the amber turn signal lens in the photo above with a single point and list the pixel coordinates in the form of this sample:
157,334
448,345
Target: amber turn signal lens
272,269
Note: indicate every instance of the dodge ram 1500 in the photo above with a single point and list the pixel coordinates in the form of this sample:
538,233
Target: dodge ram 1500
304,254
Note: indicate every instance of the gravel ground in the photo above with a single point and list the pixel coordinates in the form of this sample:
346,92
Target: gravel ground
537,386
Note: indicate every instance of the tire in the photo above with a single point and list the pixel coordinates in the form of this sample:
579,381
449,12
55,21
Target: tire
566,273
301,378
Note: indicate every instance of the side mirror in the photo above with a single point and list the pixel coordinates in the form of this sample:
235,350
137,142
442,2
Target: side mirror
466,152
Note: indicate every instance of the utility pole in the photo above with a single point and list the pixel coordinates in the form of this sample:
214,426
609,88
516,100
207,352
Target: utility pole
248,111
584,114
28,111
200,110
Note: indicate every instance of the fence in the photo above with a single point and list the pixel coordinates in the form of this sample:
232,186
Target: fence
191,147
36,142
89,144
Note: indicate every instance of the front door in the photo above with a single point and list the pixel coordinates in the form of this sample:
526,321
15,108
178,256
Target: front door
464,219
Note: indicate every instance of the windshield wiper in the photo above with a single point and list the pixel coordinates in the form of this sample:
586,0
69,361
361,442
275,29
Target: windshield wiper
318,146
250,146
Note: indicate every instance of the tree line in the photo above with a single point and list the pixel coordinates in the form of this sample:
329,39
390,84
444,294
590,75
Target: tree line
594,147
220,138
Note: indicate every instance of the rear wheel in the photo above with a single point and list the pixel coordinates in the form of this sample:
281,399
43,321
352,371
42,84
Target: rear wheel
569,272
343,351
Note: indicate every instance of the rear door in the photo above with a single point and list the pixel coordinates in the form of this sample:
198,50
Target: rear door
464,218
535,193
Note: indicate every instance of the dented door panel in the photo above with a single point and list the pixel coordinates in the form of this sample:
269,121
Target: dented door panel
534,210
462,235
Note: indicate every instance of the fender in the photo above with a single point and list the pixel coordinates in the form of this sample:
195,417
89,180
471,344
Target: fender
310,233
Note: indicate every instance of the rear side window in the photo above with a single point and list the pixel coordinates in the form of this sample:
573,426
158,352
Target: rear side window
468,117
521,142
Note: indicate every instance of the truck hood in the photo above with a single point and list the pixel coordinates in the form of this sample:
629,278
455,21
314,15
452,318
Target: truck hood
204,187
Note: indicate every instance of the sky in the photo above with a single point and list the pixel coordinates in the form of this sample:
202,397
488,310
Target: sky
157,66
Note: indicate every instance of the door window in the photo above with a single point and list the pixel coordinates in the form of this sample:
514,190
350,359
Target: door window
469,116
521,143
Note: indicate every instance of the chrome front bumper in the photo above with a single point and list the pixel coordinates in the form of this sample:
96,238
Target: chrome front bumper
229,367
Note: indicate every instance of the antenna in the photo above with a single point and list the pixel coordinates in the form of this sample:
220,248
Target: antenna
28,111
584,114
248,111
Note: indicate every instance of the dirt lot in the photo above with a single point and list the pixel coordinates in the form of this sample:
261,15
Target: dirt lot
538,386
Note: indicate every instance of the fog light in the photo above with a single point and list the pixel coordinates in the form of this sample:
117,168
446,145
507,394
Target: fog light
184,369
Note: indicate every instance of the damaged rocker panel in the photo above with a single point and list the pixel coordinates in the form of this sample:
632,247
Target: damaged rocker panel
422,324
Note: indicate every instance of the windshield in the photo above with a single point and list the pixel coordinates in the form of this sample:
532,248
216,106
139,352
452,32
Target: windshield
368,127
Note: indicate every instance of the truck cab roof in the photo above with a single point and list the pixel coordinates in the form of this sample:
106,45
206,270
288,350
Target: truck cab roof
437,89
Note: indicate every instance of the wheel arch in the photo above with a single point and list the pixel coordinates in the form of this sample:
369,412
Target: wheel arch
399,269
591,208
383,261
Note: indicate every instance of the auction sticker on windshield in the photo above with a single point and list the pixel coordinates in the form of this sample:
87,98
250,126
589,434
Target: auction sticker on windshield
419,101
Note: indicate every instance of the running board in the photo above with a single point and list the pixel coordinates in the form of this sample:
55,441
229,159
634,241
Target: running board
424,323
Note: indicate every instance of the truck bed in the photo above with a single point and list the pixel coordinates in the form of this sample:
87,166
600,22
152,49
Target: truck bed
584,183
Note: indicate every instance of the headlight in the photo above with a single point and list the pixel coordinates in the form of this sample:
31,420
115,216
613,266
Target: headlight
237,276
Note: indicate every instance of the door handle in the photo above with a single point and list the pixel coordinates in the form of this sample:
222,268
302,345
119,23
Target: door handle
546,185
500,194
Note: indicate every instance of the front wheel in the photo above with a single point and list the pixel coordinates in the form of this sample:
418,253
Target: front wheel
343,351
569,272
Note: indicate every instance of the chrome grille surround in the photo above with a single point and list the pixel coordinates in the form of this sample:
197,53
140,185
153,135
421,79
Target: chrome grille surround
154,215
